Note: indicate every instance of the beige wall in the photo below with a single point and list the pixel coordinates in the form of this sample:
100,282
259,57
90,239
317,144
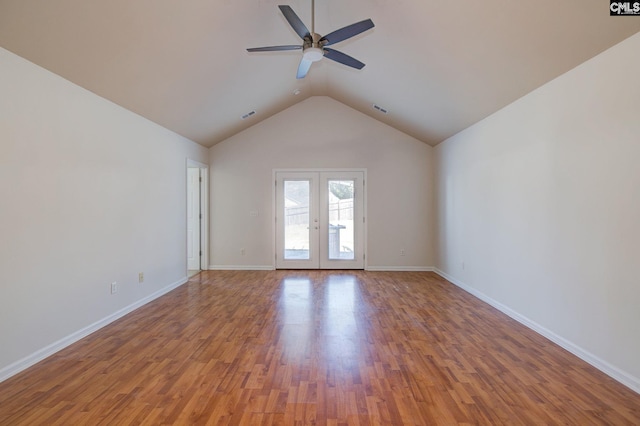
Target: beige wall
534,209
322,133
90,194
541,203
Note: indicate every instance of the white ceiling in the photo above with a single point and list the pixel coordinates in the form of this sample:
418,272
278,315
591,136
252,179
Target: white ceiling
437,66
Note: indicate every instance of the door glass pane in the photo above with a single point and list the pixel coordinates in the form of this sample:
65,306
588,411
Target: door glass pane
341,226
296,219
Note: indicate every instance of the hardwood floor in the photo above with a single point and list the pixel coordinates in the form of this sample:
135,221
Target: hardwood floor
313,347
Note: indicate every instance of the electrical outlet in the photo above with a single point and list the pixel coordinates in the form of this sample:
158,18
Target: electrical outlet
401,252
243,251
140,277
114,287
463,264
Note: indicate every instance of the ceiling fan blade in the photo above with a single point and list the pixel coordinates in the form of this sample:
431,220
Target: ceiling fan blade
294,21
343,58
347,32
303,68
274,48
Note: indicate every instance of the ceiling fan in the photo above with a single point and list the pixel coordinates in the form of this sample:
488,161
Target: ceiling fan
313,45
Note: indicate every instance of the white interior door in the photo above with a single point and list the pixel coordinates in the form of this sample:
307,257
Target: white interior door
319,220
193,219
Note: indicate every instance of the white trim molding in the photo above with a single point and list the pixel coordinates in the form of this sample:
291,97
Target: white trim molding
399,268
368,268
47,351
241,267
612,371
204,211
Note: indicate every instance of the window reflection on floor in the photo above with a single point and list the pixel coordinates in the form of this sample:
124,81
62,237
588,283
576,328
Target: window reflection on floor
297,316
339,319
330,311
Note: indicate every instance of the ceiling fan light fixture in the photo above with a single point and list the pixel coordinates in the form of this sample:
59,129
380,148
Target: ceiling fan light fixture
313,54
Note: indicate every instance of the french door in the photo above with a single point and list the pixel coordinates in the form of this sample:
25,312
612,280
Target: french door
319,220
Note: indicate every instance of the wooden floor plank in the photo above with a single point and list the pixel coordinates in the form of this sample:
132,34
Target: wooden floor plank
315,347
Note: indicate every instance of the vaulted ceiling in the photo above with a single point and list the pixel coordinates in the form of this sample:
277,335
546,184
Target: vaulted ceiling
436,66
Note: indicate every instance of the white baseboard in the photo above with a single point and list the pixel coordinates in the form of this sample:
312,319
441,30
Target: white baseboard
241,267
400,268
612,371
39,355
368,268
271,268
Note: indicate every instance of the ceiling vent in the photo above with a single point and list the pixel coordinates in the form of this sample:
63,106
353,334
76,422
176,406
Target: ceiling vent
247,115
379,108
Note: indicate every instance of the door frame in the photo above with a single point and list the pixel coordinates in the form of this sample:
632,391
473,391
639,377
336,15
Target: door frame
204,211
274,207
